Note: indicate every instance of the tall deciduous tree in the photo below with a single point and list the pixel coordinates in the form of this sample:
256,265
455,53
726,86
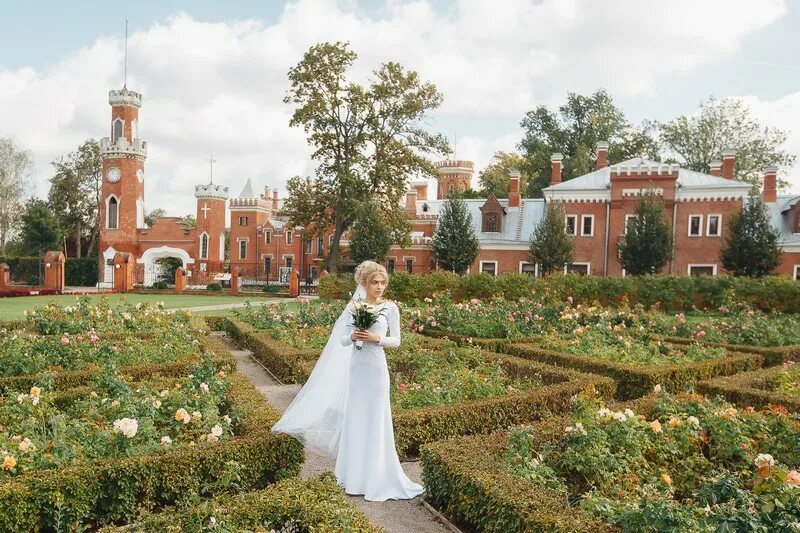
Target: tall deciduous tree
494,178
367,139
699,138
40,229
751,246
152,216
647,245
75,194
550,245
370,238
574,131
455,245
16,168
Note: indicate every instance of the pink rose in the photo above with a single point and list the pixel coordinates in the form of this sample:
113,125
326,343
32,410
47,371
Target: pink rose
421,329
701,334
402,386
64,340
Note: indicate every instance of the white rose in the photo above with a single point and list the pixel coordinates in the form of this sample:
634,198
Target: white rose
216,430
165,440
204,387
126,426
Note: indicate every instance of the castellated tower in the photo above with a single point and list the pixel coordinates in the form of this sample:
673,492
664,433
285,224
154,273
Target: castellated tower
122,196
453,176
211,203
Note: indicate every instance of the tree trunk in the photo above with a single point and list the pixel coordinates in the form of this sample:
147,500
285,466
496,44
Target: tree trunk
78,239
332,260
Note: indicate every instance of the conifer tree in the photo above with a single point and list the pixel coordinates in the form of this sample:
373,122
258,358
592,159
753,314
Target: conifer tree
647,245
751,246
550,245
455,245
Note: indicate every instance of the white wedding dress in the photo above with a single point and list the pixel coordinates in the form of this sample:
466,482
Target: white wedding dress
343,410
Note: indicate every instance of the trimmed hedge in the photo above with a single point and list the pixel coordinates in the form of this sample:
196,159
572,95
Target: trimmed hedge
414,427
750,389
773,355
78,271
464,479
115,490
315,504
635,381
674,293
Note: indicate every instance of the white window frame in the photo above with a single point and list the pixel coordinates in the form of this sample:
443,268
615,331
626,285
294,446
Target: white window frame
701,265
588,266
535,268
267,236
391,258
246,220
287,256
797,272
246,241
288,236
719,225
114,137
699,226
575,225
204,256
308,246
222,247
481,263
583,222
108,212
628,217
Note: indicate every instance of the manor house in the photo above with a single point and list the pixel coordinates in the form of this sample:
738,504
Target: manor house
263,246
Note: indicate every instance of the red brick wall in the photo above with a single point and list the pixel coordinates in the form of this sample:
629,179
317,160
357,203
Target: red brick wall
589,249
705,249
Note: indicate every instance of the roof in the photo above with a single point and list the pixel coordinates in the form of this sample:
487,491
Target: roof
518,222
600,179
247,192
779,220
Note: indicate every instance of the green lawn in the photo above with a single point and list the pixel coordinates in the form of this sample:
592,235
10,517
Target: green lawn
12,308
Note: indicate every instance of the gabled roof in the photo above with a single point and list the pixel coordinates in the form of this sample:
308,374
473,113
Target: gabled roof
492,203
782,222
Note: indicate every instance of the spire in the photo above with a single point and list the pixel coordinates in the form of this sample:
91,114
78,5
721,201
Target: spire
125,78
247,192
211,162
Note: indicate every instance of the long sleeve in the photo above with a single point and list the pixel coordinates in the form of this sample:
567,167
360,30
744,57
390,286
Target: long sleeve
345,339
392,340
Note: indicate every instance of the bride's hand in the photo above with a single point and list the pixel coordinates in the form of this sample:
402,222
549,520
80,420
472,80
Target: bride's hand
364,335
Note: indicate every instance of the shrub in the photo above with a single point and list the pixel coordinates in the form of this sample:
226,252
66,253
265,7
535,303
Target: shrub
756,388
214,287
160,285
336,287
272,288
81,271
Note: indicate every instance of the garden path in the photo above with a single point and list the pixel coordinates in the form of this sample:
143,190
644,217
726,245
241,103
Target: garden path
399,516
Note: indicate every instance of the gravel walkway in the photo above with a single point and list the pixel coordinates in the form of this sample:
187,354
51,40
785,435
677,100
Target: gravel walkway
392,515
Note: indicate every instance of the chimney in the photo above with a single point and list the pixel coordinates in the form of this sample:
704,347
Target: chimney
411,202
513,189
602,155
716,167
555,172
265,196
275,200
422,191
770,194
728,159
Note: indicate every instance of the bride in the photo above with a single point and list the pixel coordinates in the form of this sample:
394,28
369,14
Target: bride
343,409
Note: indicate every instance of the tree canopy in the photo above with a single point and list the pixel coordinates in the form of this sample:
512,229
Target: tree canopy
40,230
494,179
455,245
750,248
647,245
370,238
16,167
550,245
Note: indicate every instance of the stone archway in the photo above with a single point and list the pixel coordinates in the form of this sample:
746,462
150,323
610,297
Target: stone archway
107,280
151,255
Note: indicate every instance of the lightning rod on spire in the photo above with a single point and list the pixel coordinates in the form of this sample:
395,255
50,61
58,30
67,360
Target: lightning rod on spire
125,78
211,162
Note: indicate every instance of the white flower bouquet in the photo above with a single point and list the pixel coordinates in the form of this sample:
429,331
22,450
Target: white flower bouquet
364,316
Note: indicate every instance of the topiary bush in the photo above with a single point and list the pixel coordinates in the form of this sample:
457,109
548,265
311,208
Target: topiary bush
214,287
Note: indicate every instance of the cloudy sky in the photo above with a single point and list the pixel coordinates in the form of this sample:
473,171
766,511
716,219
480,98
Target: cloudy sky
213,77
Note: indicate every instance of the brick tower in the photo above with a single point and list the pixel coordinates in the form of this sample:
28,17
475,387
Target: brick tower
123,154
211,203
453,176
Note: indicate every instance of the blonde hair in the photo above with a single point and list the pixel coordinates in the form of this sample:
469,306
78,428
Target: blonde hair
368,270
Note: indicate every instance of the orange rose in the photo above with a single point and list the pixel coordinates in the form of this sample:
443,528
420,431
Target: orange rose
9,463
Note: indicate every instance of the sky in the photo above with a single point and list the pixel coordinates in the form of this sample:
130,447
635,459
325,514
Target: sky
213,76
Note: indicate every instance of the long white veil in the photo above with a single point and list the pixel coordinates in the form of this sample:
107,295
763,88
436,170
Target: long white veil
316,414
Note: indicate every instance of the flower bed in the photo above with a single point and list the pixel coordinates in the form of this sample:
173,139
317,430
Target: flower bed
294,504
439,389
778,385
105,461
665,464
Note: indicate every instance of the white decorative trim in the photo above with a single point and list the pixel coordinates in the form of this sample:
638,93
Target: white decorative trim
640,191
583,219
215,192
481,263
222,246
577,196
122,148
125,96
577,263
699,226
628,216
797,272
701,265
140,214
658,169
708,225
735,191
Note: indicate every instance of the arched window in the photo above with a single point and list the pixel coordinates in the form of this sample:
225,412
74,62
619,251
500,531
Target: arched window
113,213
117,130
204,246
425,208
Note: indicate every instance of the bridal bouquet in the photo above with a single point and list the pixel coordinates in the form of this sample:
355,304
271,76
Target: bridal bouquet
364,316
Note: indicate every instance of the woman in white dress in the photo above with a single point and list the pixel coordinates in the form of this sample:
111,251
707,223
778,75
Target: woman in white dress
343,409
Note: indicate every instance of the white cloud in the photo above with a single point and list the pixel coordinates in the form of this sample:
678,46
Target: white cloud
219,86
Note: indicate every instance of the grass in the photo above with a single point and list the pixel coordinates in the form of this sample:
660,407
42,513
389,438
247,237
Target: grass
13,308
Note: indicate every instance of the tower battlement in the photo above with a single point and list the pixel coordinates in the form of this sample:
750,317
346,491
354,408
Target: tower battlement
124,96
216,192
122,147
454,166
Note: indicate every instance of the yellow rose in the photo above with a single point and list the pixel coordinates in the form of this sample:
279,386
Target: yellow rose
655,425
666,479
9,463
35,391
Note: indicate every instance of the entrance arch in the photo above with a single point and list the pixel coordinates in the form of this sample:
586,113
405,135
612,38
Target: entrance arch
108,269
151,255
